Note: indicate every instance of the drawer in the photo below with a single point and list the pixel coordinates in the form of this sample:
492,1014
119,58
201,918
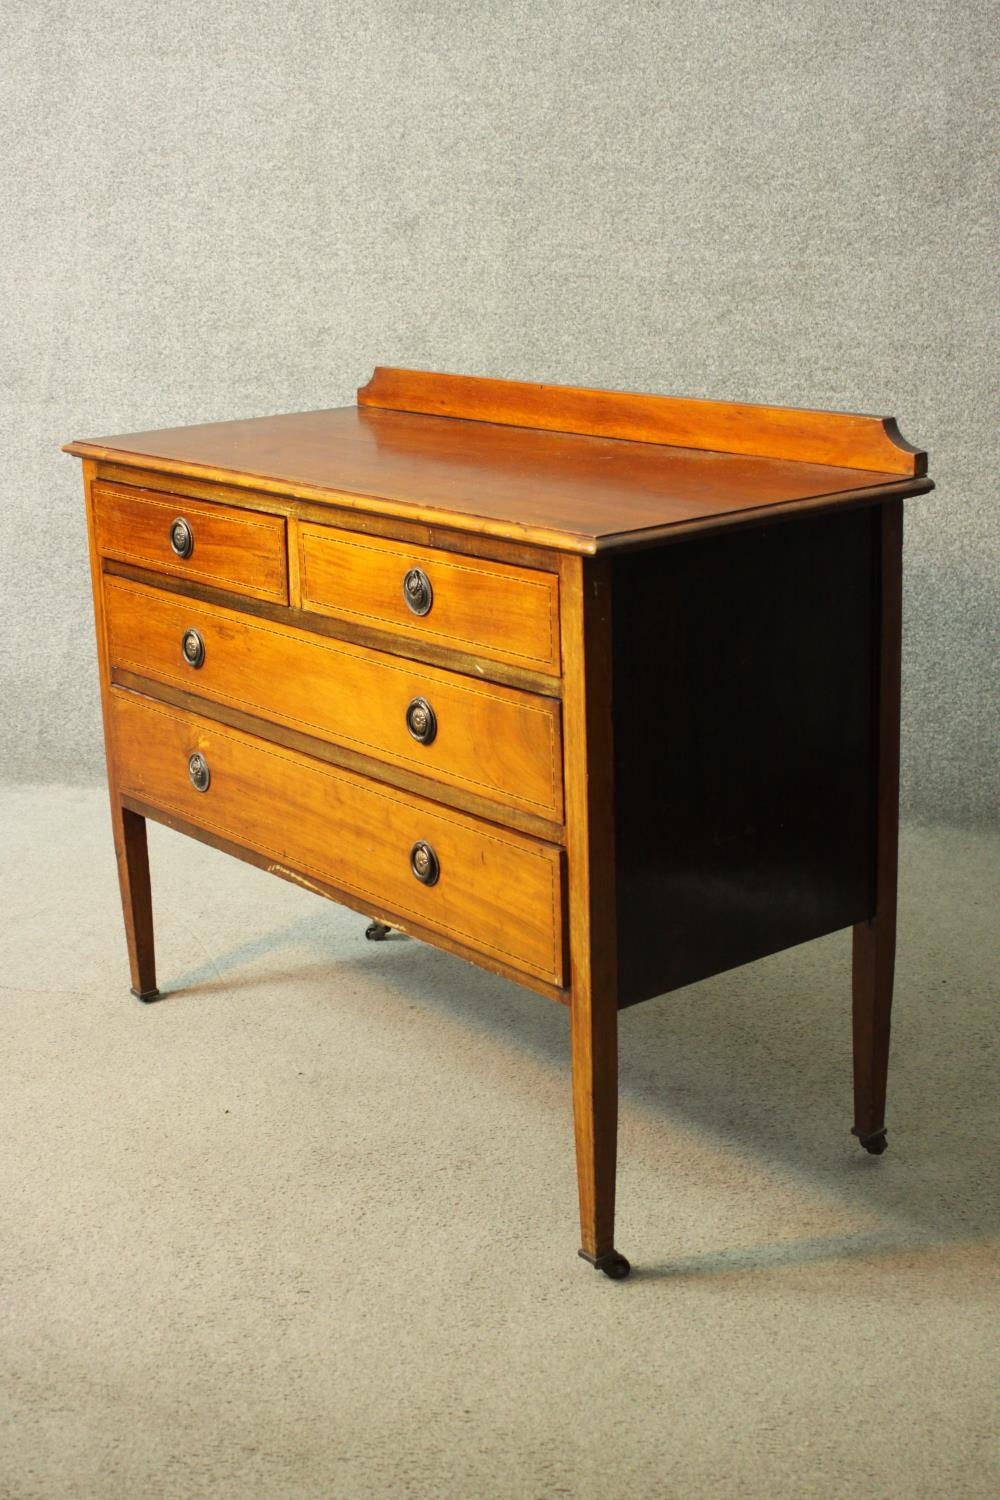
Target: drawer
497,892
467,604
492,741
233,549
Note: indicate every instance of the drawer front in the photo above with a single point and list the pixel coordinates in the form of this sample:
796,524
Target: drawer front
493,741
498,893
467,604
233,549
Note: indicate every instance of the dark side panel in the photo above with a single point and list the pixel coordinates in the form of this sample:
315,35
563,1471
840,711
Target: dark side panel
744,745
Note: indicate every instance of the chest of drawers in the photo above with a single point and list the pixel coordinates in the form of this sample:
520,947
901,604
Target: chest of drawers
598,691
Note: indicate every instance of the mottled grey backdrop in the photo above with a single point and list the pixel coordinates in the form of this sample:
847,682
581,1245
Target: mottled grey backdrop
214,211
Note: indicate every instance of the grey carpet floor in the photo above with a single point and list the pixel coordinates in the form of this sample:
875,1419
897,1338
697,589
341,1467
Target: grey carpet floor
307,1227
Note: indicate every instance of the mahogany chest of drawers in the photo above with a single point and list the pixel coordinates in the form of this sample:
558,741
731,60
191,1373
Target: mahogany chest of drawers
598,691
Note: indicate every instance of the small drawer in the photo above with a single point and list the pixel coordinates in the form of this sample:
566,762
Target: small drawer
233,549
468,604
496,892
493,742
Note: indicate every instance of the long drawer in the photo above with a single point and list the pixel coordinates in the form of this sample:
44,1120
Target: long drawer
494,891
467,604
240,550
496,742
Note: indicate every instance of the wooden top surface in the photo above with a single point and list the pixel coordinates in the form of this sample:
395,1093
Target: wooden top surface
568,489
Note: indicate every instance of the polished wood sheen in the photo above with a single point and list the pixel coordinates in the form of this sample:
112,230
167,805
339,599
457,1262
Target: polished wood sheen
128,829
570,492
232,549
348,831
593,929
492,741
825,437
364,904
658,641
418,648
487,608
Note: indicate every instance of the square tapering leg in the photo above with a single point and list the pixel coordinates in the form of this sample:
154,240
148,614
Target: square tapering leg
875,940
137,905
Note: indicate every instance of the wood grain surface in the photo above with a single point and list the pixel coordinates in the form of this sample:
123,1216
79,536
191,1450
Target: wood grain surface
128,828
493,741
239,550
590,848
478,606
666,726
571,492
825,437
498,891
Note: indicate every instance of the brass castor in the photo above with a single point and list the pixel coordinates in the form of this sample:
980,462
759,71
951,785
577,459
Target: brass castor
613,1264
377,932
874,1143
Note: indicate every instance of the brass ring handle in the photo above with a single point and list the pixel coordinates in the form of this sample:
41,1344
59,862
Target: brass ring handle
181,537
424,863
199,773
421,721
193,647
417,591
